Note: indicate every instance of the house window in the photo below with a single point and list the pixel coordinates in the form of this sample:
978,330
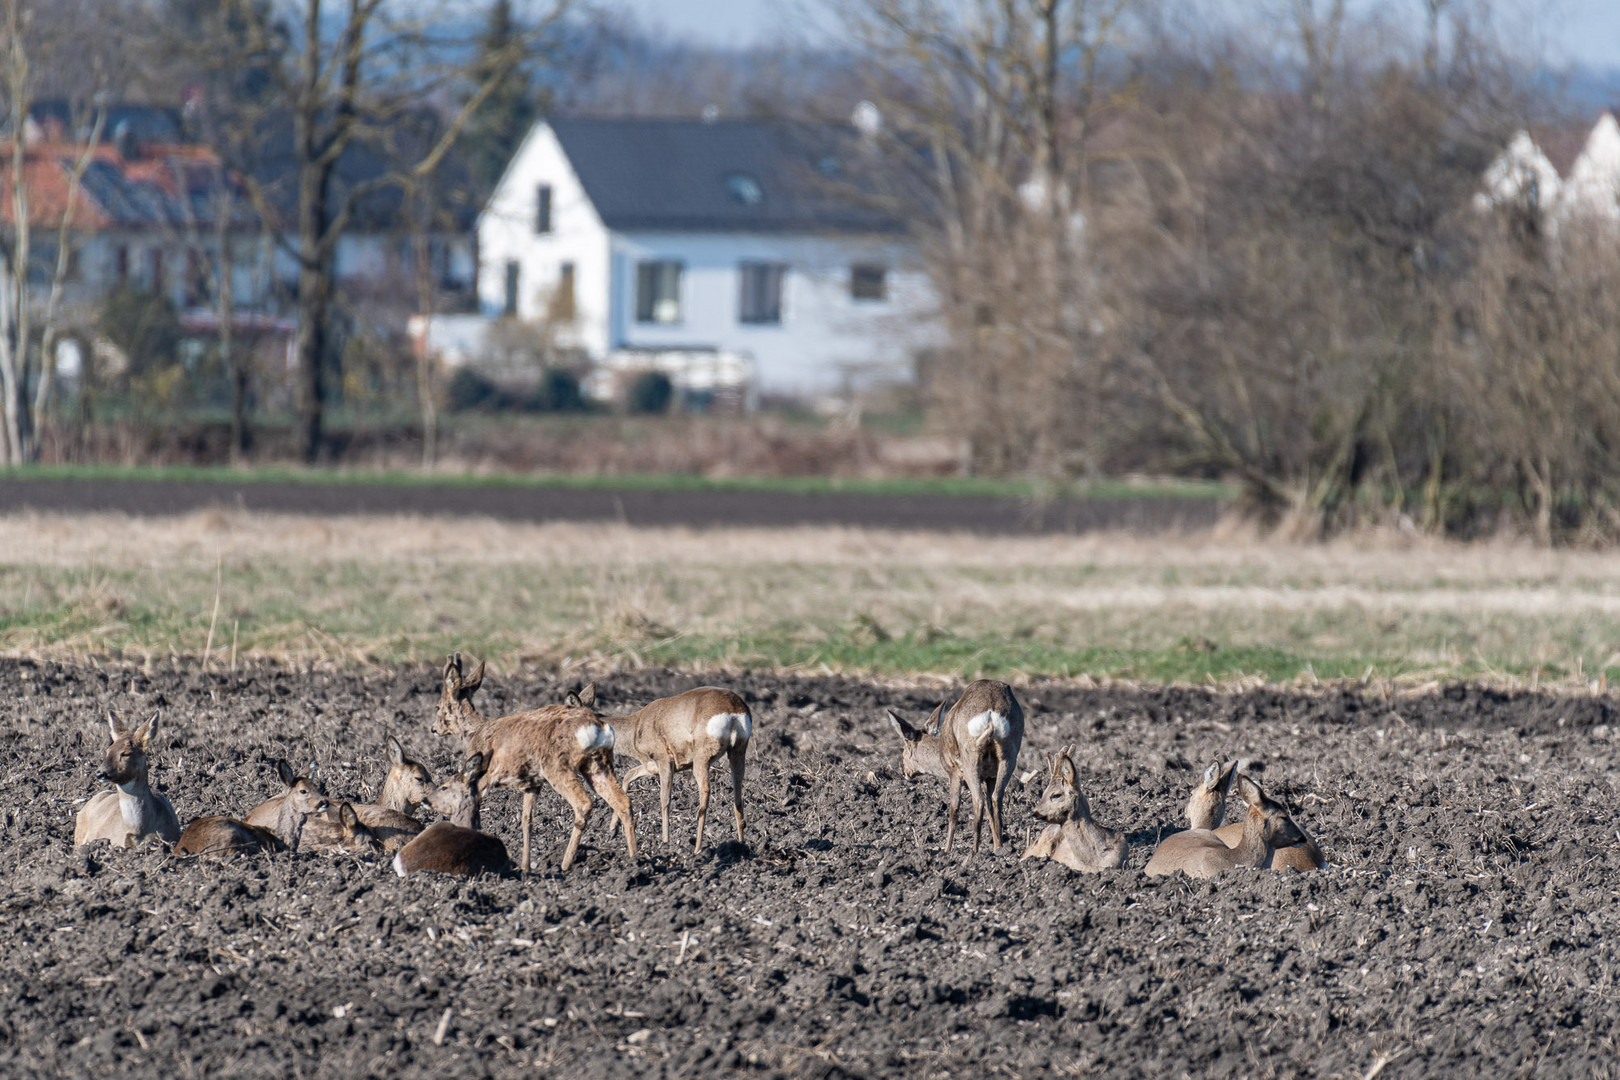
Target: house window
868,281
658,291
542,209
562,301
513,272
760,302
121,263
155,257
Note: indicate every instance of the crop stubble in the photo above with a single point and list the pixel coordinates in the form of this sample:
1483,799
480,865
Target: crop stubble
1462,926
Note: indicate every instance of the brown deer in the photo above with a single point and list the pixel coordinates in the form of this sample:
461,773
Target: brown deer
1207,807
566,746
407,785
455,846
1201,853
267,814
976,741
131,810
687,731
1073,839
340,829
217,835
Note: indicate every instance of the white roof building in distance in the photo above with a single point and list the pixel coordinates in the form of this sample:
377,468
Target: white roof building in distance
634,238
1562,173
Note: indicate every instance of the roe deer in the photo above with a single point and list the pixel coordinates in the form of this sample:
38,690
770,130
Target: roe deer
407,785
340,829
1201,853
455,846
567,746
217,835
976,741
132,810
1073,839
1207,807
267,814
687,731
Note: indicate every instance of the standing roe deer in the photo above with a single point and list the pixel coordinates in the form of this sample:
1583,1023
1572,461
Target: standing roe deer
687,731
1207,807
567,746
1073,839
1201,853
977,741
455,846
217,835
132,810
267,814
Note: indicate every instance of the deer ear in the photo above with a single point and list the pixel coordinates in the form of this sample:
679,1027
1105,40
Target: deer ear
396,752
587,696
452,671
350,819
901,728
1250,792
477,680
1212,776
114,725
474,767
934,719
144,733
572,700
284,771
1067,768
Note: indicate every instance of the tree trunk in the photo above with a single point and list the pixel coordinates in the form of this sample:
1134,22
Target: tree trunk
310,346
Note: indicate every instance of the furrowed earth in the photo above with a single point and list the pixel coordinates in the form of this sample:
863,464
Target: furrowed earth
1462,926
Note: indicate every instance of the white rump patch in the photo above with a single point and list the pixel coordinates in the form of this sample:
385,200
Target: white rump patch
730,729
399,866
989,722
594,737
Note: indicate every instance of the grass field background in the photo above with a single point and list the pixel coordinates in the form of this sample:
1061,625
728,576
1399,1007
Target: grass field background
1186,609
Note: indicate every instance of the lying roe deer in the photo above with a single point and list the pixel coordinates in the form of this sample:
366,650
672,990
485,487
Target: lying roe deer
1207,807
217,835
268,813
1201,853
406,786
132,810
687,731
567,746
340,829
976,741
1073,839
455,846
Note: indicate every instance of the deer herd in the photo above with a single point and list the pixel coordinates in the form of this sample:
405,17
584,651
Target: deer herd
570,748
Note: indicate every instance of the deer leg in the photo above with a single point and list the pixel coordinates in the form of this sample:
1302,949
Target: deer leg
607,785
950,816
666,781
700,773
634,774
528,822
739,761
571,787
998,794
976,789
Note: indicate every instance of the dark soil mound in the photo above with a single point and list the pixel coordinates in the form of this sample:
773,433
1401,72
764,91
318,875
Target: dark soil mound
1459,929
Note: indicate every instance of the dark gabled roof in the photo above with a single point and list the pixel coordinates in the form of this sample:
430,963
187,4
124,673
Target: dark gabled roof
145,123
721,176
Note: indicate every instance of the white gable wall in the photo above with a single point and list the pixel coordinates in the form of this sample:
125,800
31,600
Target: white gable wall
506,233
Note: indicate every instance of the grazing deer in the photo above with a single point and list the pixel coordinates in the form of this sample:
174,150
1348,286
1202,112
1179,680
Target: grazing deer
218,835
407,785
687,731
455,846
976,741
1201,853
567,746
268,813
1207,807
132,810
340,829
1073,839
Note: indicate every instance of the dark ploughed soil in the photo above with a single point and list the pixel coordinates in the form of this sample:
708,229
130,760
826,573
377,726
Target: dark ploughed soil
1463,926
966,513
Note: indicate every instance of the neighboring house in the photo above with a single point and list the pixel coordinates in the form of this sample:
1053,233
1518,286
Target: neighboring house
645,243
1561,173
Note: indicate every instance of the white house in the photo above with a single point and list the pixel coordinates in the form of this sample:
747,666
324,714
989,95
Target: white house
1562,174
653,240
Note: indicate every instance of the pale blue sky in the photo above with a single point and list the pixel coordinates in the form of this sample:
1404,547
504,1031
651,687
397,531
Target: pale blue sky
1586,31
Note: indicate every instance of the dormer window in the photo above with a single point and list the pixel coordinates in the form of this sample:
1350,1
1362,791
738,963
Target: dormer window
745,189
